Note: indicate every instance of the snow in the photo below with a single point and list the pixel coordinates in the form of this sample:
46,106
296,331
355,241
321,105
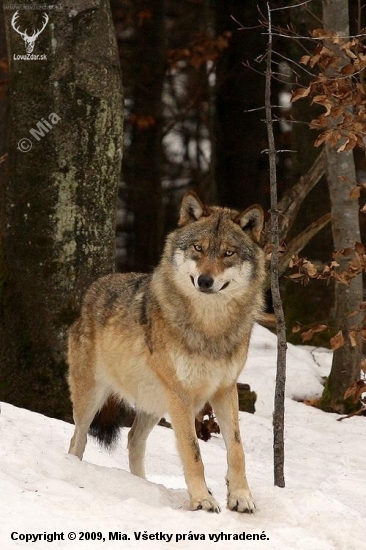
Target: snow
45,491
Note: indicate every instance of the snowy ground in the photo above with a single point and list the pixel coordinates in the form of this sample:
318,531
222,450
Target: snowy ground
45,491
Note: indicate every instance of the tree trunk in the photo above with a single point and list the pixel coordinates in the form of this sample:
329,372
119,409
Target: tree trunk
3,89
143,174
315,301
341,177
241,171
58,208
345,228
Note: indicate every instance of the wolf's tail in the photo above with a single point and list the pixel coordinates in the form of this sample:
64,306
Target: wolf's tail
107,423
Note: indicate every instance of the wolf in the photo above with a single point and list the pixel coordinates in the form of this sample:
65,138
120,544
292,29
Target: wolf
169,341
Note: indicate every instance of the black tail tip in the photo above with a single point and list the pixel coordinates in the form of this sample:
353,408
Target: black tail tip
107,436
109,420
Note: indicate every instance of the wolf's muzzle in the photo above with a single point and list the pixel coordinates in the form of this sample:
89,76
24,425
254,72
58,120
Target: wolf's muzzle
205,283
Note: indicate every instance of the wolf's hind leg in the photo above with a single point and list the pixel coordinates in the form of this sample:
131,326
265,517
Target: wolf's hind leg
137,436
87,398
225,405
89,402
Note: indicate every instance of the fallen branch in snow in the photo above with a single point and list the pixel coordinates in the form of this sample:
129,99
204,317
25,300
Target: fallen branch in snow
360,411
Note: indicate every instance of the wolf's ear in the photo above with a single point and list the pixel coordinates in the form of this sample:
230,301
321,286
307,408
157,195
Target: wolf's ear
251,221
191,209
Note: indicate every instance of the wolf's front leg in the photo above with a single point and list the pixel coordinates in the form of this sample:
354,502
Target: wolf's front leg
225,405
182,417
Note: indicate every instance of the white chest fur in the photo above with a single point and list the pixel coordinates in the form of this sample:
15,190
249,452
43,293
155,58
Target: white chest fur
202,376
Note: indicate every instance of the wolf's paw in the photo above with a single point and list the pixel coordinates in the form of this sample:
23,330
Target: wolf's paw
209,504
241,501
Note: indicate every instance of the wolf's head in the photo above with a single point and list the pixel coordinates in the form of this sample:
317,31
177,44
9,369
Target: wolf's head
215,250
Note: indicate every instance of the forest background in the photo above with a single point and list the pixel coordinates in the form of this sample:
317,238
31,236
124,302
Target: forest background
194,88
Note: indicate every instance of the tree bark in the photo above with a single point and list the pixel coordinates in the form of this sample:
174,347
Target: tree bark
341,176
58,208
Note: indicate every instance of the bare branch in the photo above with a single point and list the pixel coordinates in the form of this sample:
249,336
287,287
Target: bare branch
292,62
291,7
297,244
279,403
313,38
291,201
241,26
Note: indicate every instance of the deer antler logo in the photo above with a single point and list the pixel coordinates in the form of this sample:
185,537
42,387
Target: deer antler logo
29,40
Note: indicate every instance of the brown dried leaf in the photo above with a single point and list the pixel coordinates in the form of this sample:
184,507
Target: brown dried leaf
355,265
350,54
337,341
337,112
327,51
300,93
319,33
353,338
348,69
321,139
314,60
351,144
363,365
343,147
305,59
317,123
313,402
308,335
355,391
310,269
355,193
325,102
334,137
344,252
319,328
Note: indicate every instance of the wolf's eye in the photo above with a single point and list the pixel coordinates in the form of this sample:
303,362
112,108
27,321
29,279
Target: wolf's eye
228,253
197,247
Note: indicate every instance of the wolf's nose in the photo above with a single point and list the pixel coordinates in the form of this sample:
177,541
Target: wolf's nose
205,282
